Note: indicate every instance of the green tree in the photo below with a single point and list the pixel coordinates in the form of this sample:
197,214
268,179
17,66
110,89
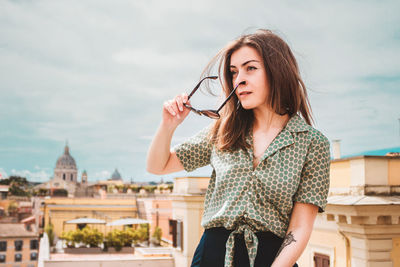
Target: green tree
49,230
18,186
14,179
157,235
77,236
92,237
150,188
43,192
143,232
12,208
115,239
110,189
61,192
67,236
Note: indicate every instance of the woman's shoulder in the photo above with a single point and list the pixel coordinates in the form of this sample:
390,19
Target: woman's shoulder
317,136
312,135
298,124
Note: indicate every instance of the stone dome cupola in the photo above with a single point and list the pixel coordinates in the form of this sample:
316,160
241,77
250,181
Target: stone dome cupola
116,176
66,161
66,167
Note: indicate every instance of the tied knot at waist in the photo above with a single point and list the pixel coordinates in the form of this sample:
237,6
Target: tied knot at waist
250,240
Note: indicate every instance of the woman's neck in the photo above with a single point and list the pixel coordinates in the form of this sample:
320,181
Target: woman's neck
266,119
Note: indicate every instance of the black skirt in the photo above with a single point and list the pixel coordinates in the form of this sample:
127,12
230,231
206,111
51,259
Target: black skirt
211,250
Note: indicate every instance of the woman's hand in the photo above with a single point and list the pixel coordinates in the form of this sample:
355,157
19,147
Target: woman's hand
174,112
160,158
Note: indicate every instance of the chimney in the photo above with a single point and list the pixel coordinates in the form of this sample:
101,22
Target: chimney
336,148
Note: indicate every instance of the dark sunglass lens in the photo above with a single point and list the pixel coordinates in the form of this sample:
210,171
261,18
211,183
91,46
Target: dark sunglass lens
211,114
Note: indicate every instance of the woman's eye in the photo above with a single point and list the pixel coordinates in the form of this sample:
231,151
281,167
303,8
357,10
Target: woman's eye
233,73
251,68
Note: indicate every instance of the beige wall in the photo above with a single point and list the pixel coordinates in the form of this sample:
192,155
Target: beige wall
164,214
325,239
64,209
376,171
396,251
165,262
363,171
394,171
188,206
26,253
340,174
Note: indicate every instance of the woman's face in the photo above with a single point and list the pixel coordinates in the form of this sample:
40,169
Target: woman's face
247,65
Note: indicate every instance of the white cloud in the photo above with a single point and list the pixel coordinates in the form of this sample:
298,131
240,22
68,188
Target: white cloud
41,175
101,175
3,174
97,73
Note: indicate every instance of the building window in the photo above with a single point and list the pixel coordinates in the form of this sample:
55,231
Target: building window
176,230
3,245
2,258
321,260
34,244
80,226
72,177
64,176
18,257
18,245
33,256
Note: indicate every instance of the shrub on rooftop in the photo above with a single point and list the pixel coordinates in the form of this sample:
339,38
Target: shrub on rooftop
156,236
115,239
143,232
91,237
49,229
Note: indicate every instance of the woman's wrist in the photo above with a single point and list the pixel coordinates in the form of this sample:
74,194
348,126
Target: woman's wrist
167,127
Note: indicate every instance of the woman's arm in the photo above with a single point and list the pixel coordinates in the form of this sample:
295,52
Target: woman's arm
160,160
297,236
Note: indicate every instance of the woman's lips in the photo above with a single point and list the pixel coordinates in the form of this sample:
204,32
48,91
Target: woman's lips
244,93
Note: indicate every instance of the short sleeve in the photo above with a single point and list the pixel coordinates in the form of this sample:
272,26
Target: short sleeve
196,151
314,181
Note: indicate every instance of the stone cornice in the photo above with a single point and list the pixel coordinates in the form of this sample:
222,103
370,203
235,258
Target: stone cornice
365,220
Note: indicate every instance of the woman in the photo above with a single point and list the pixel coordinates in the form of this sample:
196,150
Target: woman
270,166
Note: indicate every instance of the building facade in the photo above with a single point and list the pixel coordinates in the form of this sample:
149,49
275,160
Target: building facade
361,224
61,210
18,246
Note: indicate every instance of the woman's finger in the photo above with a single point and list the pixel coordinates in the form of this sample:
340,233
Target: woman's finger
174,107
167,106
179,102
185,99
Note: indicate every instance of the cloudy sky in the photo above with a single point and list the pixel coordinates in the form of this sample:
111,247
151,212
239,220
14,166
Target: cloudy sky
96,73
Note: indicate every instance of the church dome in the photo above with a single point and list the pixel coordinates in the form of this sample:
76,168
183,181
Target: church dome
66,161
116,175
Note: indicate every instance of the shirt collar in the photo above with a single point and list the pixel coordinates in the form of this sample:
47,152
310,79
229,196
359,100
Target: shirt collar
297,124
283,139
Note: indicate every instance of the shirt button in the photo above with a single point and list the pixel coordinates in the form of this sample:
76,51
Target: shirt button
253,173
245,215
249,193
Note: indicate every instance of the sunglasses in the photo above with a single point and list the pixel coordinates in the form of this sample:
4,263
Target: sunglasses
211,113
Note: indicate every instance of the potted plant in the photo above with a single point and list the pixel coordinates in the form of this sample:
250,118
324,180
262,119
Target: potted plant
156,236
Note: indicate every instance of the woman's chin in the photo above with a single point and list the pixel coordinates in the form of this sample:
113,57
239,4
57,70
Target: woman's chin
247,106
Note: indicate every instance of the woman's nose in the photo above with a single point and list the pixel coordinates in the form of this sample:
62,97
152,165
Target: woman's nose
240,79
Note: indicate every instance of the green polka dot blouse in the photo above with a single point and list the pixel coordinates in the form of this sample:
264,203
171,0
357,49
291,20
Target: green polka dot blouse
294,168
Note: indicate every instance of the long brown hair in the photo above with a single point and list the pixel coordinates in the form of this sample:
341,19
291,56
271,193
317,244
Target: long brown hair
287,94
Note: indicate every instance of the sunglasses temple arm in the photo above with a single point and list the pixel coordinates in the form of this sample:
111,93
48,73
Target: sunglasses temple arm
197,87
230,95
194,90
